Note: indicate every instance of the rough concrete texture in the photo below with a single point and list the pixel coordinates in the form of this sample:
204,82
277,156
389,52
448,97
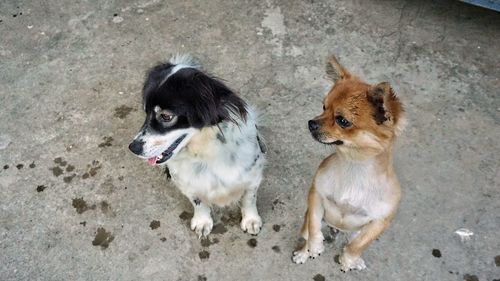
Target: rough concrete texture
76,205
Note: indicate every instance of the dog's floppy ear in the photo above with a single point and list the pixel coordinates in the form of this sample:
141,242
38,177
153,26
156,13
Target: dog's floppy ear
218,103
335,71
386,106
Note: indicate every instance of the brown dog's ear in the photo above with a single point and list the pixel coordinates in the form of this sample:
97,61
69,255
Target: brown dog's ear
380,96
335,71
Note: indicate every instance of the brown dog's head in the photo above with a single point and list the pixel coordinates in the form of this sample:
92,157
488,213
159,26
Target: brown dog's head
357,117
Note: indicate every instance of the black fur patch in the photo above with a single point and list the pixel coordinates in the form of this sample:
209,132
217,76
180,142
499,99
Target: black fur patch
196,98
197,201
376,98
262,145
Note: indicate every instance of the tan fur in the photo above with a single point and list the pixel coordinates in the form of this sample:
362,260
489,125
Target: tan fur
355,189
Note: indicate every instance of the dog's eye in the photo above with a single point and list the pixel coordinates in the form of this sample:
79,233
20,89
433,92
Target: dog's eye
342,122
165,117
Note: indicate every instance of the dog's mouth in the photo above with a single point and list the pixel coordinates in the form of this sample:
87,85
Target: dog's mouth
167,154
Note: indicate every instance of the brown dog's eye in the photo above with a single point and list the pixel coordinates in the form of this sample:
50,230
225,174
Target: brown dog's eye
342,122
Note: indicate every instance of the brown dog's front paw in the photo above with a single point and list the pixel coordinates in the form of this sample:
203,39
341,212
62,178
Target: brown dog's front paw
349,262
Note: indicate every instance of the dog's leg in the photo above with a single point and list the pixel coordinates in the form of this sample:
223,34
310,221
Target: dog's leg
304,231
314,243
201,222
351,256
250,219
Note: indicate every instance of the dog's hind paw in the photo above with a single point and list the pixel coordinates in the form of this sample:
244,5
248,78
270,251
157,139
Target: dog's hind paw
251,224
349,262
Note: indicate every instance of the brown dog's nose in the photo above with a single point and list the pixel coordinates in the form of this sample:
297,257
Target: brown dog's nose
136,147
313,125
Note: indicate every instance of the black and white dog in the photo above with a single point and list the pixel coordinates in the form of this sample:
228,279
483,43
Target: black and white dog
207,137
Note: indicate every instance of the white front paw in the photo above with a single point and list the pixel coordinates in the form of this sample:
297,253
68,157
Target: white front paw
316,248
300,256
349,262
202,225
251,223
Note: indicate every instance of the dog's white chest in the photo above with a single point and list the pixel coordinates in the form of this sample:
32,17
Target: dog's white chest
352,195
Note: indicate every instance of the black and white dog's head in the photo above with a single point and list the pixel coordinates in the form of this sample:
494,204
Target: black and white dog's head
179,100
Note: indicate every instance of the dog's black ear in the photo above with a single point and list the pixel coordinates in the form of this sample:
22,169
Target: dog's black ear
154,78
217,102
335,71
381,97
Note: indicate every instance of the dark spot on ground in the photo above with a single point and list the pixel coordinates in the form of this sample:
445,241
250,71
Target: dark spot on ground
204,255
497,260
120,178
252,243
60,161
276,249
185,216
68,179
219,229
84,223
19,166
329,239
163,239
92,169
122,111
154,224
56,171
319,277
102,238
276,227
81,206
202,278
32,165
206,242
5,167
115,15
70,168
231,219
336,259
276,202
106,208
469,277
436,253
106,142
40,188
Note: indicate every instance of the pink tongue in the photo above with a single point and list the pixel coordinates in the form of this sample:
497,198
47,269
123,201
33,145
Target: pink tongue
152,161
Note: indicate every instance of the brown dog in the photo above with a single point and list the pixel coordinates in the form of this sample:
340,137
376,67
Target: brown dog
355,189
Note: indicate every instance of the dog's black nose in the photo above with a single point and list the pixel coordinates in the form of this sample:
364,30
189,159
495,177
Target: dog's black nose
313,125
136,147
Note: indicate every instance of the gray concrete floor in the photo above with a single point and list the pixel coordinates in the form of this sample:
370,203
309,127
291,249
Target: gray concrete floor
71,76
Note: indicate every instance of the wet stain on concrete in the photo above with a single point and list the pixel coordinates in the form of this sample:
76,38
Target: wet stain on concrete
277,227
68,179
319,277
436,253
202,278
60,161
40,188
276,203
122,111
206,242
231,219
470,277
19,166
92,169
219,229
497,261
32,165
56,171
336,259
5,167
70,168
154,224
252,243
106,142
276,249
103,238
204,255
185,216
106,208
163,239
81,206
